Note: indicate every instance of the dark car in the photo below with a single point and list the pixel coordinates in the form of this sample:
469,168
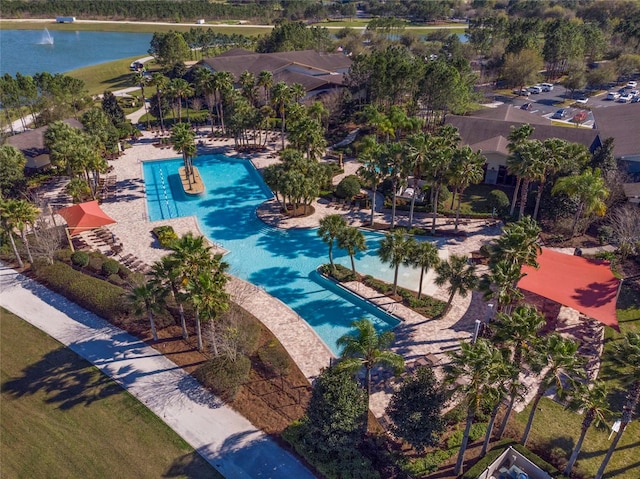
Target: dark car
560,114
527,107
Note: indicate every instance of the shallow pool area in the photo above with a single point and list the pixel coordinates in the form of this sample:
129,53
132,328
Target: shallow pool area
282,262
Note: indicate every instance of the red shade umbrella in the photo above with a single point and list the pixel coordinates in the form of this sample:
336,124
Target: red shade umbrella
85,216
582,284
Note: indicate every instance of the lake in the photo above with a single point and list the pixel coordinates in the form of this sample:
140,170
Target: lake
32,51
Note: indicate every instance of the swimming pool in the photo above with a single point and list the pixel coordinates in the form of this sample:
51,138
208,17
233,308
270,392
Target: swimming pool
283,262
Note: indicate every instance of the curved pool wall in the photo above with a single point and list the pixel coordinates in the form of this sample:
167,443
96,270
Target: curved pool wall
281,261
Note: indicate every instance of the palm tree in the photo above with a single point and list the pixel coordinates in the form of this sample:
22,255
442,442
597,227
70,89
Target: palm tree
352,239
222,83
318,112
593,401
141,80
466,169
459,274
549,162
501,284
560,356
166,272
475,367
627,355
516,138
395,249
502,385
146,298
281,97
182,90
589,189
418,149
518,244
373,171
298,92
183,140
265,80
161,83
331,227
8,221
366,349
394,158
424,255
248,84
209,300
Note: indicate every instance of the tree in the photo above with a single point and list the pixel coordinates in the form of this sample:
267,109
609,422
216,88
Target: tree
265,80
330,229
141,80
547,164
517,137
416,410
589,190
627,355
12,163
394,159
166,272
500,283
183,140
395,249
336,414
8,221
523,162
592,400
281,97
351,239
169,48
625,225
476,365
518,244
209,298
459,274
520,69
560,356
423,255
373,171
146,298
466,169
112,108
161,83
21,214
366,349
181,90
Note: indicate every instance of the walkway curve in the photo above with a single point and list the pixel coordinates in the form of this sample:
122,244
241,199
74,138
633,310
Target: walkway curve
221,436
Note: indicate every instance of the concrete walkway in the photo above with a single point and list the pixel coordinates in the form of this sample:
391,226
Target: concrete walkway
222,436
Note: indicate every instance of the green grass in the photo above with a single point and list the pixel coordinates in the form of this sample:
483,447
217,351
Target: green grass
62,418
555,427
112,76
475,198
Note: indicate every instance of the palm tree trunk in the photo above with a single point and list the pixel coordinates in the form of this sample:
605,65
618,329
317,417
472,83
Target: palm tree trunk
420,284
353,265
515,196
436,186
15,250
465,439
534,408
449,302
373,204
413,204
523,197
199,331
214,343
393,204
610,451
507,414
538,197
458,211
26,244
576,449
152,321
282,127
492,420
183,323
395,280
575,220
333,267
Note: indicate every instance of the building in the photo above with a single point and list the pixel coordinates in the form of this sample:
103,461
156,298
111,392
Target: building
316,72
513,465
622,123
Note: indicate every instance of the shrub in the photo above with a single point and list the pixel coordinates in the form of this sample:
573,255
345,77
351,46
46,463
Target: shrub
348,187
94,294
224,376
429,462
477,431
274,357
110,267
117,280
63,255
499,200
80,259
341,274
166,235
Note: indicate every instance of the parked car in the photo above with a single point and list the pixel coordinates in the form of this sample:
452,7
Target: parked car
580,117
626,98
522,92
635,99
546,86
527,107
634,93
560,114
632,84
582,100
535,89
613,95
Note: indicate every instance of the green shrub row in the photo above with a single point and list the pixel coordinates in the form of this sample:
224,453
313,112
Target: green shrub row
348,464
341,274
223,376
275,357
104,299
166,235
427,306
429,462
477,431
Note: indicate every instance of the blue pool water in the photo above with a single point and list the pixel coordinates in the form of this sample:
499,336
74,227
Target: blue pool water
283,262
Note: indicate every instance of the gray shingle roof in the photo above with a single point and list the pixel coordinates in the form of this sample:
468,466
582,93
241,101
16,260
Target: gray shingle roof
622,123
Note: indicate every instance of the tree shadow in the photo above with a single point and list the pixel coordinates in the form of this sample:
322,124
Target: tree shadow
191,466
66,379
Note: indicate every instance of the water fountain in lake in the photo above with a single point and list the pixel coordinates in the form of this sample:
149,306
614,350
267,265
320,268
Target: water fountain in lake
46,39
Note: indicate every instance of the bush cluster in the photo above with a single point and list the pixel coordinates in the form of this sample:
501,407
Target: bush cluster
341,274
80,259
348,187
274,357
427,306
101,297
477,431
224,376
166,235
429,462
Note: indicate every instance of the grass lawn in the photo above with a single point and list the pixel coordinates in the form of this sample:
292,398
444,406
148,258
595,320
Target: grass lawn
112,76
62,418
475,198
554,427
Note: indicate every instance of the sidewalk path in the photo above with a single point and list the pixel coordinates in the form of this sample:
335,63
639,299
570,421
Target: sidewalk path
223,437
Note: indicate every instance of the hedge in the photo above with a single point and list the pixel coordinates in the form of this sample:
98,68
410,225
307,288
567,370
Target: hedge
103,298
426,305
342,274
166,235
224,376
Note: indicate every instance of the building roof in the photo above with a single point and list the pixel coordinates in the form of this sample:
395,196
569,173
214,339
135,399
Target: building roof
482,126
497,144
622,123
31,142
511,114
631,190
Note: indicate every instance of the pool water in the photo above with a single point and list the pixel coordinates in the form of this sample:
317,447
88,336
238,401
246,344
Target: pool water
282,262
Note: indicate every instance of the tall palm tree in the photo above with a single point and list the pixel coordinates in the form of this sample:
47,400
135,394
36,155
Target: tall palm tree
459,274
183,140
589,189
501,284
373,171
281,97
366,349
222,83
395,249
549,162
265,80
318,112
166,272
141,80
418,149
627,355
516,138
394,157
560,356
352,239
204,85
209,299
181,89
424,255
8,221
21,214
475,368
161,83
593,402
466,169
146,298
298,92
331,227
503,383
248,83
518,244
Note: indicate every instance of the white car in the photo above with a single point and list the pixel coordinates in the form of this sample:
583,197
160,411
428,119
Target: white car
613,95
523,92
625,98
535,89
632,84
546,86
582,100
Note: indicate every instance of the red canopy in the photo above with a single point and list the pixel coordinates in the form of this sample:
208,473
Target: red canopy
84,216
582,284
